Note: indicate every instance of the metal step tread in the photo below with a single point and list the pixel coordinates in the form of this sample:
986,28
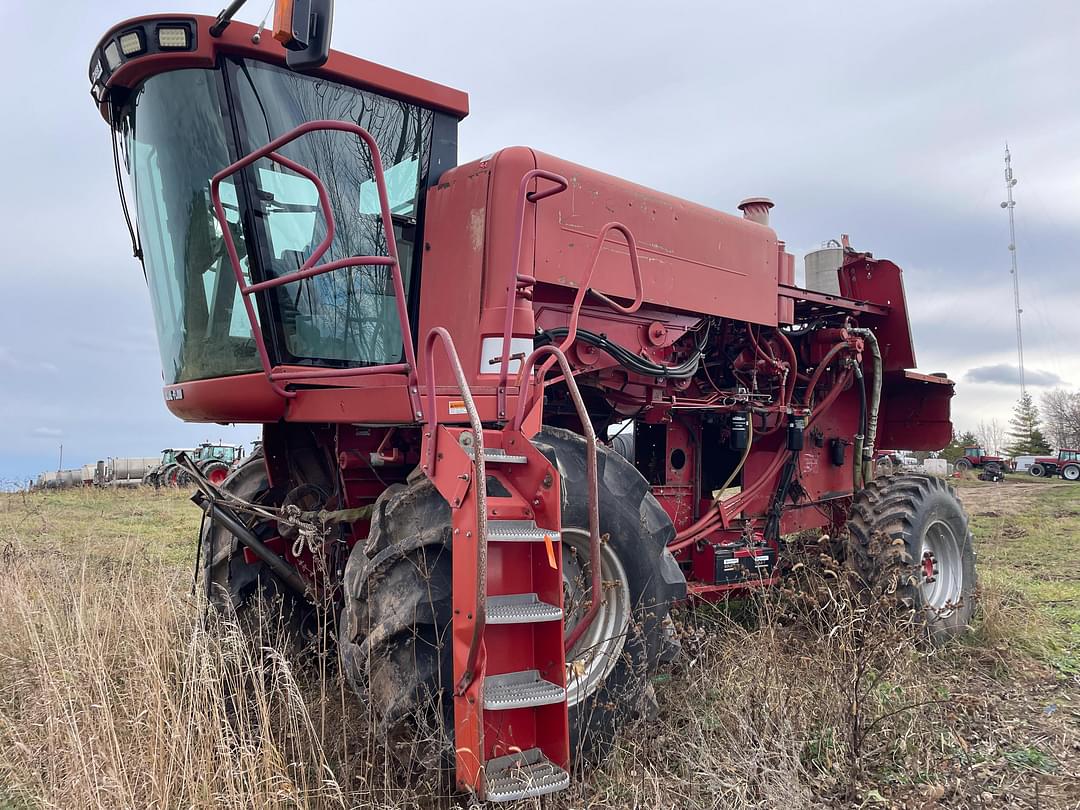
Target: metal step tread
519,690
520,608
519,531
496,455
520,776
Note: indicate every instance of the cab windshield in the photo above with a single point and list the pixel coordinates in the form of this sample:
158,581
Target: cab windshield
182,127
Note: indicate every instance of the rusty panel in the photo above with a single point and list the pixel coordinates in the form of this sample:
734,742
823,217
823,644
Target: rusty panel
454,237
692,257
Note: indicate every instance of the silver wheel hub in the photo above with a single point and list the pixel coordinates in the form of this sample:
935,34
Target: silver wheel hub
941,568
595,654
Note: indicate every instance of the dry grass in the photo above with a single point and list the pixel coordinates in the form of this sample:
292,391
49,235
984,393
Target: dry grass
114,694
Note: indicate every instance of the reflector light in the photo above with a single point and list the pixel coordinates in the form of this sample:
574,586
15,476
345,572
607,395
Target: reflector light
112,55
95,74
172,37
131,43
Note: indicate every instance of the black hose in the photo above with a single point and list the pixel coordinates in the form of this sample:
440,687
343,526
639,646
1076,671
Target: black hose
772,525
860,437
227,518
628,359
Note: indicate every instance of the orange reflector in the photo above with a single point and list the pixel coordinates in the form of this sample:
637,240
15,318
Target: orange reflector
283,13
550,551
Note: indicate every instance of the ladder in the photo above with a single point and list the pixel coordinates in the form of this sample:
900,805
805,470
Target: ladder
511,721
511,727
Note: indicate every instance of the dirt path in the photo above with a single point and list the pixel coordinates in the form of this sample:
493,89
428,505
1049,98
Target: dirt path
1006,498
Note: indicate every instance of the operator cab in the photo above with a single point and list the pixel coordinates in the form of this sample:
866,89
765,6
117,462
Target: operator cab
183,105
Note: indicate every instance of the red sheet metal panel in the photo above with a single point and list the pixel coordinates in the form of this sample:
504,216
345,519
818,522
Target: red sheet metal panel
879,281
692,257
915,411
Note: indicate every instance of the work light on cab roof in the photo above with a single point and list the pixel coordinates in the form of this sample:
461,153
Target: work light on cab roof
513,409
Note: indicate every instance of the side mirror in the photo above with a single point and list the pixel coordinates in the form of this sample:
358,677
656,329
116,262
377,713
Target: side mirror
303,27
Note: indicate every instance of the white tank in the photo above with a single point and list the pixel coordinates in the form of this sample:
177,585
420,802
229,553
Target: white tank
822,266
88,473
132,469
69,478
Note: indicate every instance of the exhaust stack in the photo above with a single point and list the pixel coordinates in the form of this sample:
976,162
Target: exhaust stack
756,209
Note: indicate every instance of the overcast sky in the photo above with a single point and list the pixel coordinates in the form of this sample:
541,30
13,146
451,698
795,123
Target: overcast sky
884,121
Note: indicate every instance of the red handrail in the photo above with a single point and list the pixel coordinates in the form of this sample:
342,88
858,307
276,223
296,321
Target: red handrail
583,290
517,279
309,268
479,482
556,355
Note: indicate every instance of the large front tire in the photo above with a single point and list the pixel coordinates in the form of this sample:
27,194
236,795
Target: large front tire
395,627
914,526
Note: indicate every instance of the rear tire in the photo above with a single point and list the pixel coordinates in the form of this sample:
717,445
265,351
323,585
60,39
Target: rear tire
963,464
1071,472
396,622
215,472
915,526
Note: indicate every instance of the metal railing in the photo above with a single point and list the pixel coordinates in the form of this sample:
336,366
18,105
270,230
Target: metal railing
311,267
519,281
479,612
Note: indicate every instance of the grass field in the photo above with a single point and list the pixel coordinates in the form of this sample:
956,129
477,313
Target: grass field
113,695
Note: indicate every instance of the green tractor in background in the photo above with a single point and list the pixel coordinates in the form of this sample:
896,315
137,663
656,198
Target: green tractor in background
214,461
166,470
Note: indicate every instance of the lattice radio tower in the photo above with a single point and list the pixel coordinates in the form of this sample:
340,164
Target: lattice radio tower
1009,205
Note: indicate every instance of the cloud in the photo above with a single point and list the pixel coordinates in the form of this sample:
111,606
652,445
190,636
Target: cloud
1004,374
47,432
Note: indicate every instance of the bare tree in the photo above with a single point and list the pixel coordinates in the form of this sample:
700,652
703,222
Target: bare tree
1061,417
992,435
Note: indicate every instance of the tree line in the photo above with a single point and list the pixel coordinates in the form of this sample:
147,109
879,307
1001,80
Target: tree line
1033,430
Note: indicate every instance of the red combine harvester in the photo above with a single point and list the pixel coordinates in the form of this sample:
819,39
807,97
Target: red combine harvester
1066,464
432,350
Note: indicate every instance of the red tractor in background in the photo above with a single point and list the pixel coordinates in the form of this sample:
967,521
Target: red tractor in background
432,349
1066,464
978,458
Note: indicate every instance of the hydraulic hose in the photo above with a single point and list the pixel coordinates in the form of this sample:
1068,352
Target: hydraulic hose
860,435
875,399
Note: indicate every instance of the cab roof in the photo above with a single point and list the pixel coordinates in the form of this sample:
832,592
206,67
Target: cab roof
203,51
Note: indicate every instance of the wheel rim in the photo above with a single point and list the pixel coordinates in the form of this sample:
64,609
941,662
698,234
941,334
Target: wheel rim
941,568
595,654
1071,473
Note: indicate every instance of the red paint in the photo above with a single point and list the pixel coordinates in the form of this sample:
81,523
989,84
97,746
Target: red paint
513,244
236,41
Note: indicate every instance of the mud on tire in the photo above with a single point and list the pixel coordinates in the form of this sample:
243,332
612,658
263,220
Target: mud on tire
909,534
395,627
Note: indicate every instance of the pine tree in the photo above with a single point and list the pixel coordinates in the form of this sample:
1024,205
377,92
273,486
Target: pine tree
1026,436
